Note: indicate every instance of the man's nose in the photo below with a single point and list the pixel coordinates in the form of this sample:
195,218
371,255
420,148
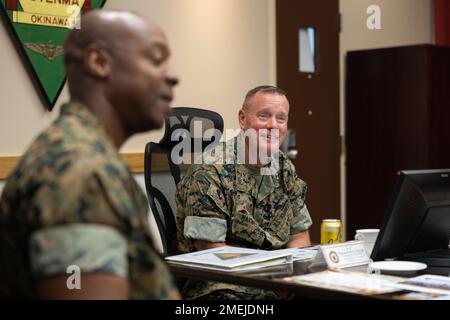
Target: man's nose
171,77
272,123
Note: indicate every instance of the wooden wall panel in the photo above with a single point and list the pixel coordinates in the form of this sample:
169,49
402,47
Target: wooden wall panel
135,161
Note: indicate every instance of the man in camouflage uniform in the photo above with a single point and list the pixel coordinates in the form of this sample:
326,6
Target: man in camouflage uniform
227,203
71,203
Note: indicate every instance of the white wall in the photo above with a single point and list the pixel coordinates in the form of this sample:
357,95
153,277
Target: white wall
403,22
221,48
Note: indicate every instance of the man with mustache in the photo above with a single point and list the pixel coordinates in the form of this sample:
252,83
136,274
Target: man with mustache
258,202
71,204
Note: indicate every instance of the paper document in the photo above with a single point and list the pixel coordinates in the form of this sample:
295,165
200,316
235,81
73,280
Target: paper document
426,283
420,296
299,254
274,266
346,281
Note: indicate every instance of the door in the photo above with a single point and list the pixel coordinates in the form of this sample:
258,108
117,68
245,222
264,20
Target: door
308,69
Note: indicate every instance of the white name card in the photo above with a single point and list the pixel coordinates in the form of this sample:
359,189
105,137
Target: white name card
342,255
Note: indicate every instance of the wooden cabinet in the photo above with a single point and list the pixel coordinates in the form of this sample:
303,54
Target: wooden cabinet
397,118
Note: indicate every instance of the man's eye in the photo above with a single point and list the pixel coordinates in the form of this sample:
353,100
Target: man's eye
282,119
263,116
156,58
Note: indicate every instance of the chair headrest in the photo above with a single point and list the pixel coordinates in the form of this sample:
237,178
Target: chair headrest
192,123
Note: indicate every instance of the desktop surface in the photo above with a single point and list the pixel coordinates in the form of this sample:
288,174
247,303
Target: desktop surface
273,279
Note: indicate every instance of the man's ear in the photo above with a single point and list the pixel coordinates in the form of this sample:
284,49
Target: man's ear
242,118
97,62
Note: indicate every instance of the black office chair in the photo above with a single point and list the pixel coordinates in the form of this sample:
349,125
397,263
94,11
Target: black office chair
159,160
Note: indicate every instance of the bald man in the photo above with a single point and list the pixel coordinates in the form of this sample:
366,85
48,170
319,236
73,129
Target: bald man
73,221
244,203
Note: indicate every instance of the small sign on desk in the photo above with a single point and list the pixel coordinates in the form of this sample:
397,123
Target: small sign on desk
342,255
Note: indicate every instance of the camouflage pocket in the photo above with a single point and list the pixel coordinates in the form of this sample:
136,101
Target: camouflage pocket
278,226
243,224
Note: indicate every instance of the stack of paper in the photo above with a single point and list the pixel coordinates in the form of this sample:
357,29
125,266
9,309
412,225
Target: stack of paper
346,281
427,283
300,254
233,259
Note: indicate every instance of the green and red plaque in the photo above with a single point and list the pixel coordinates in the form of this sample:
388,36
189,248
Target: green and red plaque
38,28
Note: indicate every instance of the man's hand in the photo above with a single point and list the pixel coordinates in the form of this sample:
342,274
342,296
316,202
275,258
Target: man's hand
203,245
298,240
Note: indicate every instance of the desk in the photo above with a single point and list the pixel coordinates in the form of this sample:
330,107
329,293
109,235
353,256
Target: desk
273,282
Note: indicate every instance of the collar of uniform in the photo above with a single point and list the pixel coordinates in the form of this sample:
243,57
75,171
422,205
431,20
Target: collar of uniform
86,117
245,182
81,111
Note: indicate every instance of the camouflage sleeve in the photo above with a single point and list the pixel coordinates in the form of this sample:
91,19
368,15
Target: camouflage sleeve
93,248
301,221
205,210
297,189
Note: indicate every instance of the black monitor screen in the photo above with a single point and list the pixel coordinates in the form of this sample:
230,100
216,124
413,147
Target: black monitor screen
418,216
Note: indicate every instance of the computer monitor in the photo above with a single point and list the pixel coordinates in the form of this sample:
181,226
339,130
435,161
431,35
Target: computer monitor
416,224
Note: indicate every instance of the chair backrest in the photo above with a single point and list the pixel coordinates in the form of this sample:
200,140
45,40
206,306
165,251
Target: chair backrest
162,171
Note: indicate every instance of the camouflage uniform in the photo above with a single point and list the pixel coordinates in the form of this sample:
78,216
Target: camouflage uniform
73,201
225,203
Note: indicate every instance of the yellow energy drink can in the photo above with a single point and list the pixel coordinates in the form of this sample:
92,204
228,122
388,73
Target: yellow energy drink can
331,231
